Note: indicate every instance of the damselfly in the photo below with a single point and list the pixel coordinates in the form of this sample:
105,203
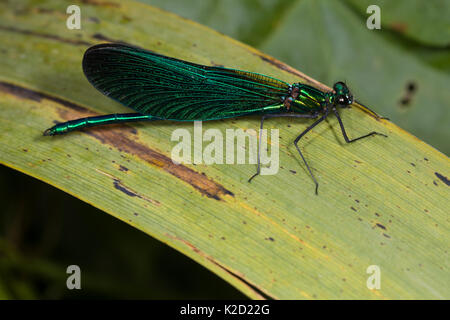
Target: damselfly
164,88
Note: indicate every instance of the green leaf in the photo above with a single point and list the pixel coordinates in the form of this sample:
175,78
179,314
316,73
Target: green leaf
383,201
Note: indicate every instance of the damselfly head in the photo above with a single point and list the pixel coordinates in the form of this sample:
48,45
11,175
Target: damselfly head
342,95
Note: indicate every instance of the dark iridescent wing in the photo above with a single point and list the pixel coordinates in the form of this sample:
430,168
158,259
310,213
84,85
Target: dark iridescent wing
173,89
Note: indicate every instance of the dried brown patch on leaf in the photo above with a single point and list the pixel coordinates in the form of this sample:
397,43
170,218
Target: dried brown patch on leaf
45,36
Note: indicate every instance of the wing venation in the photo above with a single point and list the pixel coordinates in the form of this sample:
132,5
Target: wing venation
173,89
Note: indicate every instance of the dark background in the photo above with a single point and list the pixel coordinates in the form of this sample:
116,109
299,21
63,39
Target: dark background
401,71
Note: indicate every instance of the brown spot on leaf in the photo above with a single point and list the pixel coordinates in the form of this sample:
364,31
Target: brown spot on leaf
45,36
282,66
379,225
37,96
444,179
101,3
130,192
199,181
399,26
101,37
94,19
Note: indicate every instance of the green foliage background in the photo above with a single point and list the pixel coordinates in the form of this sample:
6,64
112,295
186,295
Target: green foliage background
325,39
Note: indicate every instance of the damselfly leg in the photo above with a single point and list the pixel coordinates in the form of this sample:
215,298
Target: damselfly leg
278,115
345,133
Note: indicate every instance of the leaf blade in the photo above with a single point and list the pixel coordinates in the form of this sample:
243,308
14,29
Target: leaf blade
210,213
